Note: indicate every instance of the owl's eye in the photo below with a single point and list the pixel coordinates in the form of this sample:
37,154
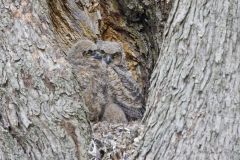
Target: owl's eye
116,54
87,53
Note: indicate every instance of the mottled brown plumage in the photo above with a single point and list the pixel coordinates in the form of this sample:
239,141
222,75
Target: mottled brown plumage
109,91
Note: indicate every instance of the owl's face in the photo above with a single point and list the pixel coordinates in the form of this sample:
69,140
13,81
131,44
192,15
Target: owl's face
108,59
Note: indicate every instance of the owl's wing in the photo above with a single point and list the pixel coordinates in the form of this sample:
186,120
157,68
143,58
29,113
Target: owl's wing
128,82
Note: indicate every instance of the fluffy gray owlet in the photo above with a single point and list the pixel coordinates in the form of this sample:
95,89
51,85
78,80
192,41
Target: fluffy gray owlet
109,91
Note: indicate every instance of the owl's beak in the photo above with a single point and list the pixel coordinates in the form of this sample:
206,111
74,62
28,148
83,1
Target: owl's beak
108,59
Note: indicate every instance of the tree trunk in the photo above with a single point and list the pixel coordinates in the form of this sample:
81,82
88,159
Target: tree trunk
194,100
42,114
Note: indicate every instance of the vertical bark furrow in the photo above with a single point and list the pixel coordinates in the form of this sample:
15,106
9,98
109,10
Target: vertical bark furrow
38,92
193,105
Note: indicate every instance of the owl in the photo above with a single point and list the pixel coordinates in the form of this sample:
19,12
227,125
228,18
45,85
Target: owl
109,90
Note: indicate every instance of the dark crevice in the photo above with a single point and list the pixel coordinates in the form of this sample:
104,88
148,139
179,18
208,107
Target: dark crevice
151,31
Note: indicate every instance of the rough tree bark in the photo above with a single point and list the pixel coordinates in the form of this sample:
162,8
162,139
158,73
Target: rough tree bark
194,101
42,114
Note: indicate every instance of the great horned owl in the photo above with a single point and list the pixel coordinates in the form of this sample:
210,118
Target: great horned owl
109,91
